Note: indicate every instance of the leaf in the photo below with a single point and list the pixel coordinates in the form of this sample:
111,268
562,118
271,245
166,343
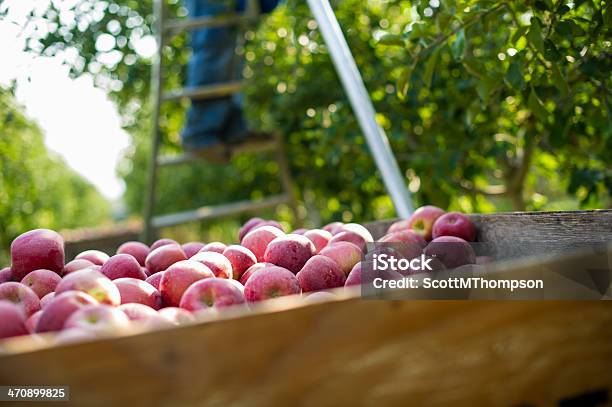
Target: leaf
390,39
514,76
519,33
485,88
475,68
551,52
535,35
559,80
537,107
430,66
458,46
403,82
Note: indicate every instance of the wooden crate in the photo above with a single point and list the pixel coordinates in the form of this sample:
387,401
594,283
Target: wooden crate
362,352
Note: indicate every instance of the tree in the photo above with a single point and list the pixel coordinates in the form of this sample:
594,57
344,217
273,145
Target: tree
488,105
37,189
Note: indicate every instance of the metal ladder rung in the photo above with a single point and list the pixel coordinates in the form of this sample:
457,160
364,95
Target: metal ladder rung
245,147
209,212
178,25
204,92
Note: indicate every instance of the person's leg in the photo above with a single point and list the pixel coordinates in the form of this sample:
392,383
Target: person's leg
211,62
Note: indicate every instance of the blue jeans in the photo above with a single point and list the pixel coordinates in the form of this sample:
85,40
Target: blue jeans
214,61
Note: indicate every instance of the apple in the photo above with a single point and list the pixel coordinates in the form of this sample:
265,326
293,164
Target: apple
423,219
77,264
452,251
211,292
249,272
299,231
356,228
42,282
97,257
257,240
74,335
138,291
91,282
333,227
272,223
98,318
138,312
44,301
246,228
345,254
162,242
59,310
354,277
122,266
20,295
139,250
178,277
216,262
320,273
32,321
163,257
154,279
319,296
289,251
176,316
13,320
454,224
350,236
399,226
6,275
217,247
270,282
191,248
37,249
319,237
241,259
406,244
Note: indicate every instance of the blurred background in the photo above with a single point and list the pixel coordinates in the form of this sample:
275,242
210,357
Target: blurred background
489,106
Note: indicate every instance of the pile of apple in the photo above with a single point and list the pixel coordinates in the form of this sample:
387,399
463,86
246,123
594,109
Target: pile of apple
169,284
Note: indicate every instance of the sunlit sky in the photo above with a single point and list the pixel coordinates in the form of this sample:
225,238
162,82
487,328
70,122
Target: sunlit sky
78,120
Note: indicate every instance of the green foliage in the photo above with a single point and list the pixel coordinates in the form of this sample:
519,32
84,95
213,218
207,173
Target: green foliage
488,105
37,189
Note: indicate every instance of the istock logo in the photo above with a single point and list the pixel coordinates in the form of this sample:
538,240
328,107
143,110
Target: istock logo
384,262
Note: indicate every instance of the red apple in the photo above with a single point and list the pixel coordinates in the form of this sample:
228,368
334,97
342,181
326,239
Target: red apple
91,282
216,262
333,227
345,254
320,273
407,244
97,257
139,250
399,226
176,316
77,264
162,242
59,310
33,321
319,237
358,229
211,292
216,247
247,274
246,228
241,259
42,282
289,251
455,224
135,290
179,277
319,296
270,282
257,240
163,257
6,275
123,266
37,249
354,277
272,223
44,301
451,250
20,295
98,318
154,279
138,312
351,237
191,248
423,219
13,320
